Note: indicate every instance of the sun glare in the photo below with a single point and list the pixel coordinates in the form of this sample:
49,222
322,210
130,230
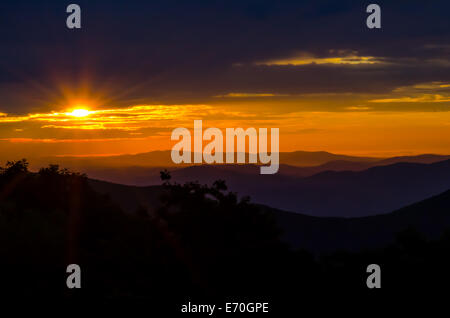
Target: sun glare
79,112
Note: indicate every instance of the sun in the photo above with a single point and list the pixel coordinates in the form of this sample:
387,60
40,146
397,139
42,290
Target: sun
80,112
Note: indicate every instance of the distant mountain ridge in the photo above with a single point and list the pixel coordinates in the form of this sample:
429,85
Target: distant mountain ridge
376,190
143,169
163,159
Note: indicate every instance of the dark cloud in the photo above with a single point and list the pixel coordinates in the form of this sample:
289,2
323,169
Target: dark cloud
172,51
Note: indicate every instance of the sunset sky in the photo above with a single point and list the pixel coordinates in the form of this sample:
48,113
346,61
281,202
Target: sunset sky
138,69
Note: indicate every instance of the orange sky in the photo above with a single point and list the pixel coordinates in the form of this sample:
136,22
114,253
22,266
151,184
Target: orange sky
407,121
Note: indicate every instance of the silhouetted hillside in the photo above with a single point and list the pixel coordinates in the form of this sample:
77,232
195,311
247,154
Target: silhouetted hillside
429,217
321,234
53,218
130,198
373,191
199,240
189,246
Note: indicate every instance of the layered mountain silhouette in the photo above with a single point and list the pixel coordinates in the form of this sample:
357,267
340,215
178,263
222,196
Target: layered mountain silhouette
143,169
195,239
430,217
163,159
376,190
329,161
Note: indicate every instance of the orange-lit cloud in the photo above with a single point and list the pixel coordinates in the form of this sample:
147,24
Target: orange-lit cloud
435,86
428,98
247,95
125,119
54,140
350,58
432,92
358,108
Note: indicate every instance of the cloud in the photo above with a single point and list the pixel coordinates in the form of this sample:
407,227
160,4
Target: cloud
428,92
124,119
358,108
118,124
421,87
55,140
249,95
426,98
165,61
344,58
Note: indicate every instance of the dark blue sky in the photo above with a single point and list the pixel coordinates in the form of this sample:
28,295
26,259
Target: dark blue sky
191,51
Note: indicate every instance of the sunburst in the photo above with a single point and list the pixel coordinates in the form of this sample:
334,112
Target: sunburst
79,112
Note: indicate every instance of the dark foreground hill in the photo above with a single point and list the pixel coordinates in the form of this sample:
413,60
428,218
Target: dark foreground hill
201,241
430,218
